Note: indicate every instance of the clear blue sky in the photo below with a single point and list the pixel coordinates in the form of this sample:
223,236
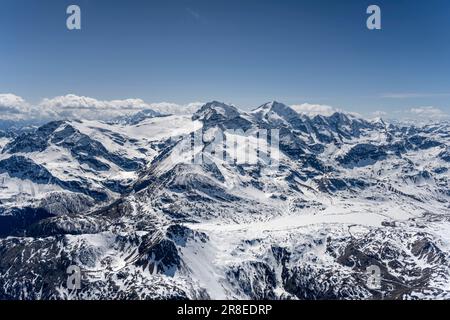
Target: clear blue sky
241,51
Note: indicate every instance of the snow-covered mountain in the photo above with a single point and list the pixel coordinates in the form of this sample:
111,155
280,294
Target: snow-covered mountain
67,167
129,204
135,118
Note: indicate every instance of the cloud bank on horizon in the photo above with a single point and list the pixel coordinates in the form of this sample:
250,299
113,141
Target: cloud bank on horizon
14,108
71,106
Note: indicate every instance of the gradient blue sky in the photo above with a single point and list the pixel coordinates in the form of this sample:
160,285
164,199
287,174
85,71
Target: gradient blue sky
242,51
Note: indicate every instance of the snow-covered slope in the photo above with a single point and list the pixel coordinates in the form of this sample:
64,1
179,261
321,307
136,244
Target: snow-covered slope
344,194
76,166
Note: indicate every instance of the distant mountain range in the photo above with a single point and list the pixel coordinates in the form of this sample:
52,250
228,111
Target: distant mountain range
124,201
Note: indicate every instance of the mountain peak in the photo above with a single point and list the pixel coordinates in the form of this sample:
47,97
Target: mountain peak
276,108
216,110
135,118
270,105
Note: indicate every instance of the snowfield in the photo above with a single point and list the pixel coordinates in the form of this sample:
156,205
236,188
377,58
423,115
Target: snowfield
130,204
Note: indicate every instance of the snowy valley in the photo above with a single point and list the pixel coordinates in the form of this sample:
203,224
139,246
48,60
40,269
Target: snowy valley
123,201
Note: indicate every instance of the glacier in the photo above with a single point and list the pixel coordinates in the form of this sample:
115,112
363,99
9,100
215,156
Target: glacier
123,201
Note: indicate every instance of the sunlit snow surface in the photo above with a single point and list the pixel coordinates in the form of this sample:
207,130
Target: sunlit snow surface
347,194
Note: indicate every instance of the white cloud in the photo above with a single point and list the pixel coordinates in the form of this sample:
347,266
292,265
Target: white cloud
379,114
13,107
412,95
420,115
72,101
429,113
71,106
314,109
172,108
79,107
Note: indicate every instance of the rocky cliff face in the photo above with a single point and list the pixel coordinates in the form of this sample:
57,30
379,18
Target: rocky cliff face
129,204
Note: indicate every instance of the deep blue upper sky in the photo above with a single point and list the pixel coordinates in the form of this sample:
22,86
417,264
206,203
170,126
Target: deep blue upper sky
241,51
